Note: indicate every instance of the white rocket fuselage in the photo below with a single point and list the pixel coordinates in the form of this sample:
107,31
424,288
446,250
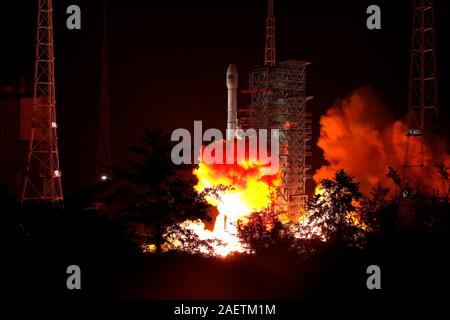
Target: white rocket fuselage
232,85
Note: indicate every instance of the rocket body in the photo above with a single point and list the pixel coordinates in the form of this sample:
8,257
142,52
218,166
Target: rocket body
232,85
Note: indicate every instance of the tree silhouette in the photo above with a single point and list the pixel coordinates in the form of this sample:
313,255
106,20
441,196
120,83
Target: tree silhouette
443,171
154,194
418,209
11,226
264,232
379,211
335,214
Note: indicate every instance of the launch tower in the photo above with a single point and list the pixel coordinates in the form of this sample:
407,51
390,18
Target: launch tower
423,97
42,180
278,101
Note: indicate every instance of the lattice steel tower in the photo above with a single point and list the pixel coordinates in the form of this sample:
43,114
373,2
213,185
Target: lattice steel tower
43,175
103,172
278,101
423,97
270,56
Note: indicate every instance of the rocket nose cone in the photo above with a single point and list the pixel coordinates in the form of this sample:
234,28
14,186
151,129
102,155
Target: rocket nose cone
232,77
232,69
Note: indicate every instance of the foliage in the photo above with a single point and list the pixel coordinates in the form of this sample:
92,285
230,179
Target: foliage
335,215
265,232
443,171
377,210
155,196
186,240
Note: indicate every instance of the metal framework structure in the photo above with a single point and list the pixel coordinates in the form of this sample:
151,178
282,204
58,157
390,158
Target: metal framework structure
104,163
423,96
43,175
269,56
278,101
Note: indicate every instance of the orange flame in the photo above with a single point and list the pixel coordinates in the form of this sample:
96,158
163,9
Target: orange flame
247,188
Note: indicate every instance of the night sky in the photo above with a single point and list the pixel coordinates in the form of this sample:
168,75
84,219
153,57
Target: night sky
168,61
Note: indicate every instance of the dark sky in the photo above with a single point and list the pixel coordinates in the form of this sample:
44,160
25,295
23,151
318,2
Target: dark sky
168,61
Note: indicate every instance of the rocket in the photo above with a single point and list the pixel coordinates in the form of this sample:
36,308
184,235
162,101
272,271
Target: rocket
232,84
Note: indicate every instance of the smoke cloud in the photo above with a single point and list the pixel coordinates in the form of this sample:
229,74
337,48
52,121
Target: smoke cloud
360,135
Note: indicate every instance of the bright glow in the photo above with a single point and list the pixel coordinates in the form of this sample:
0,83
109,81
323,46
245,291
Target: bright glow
54,125
56,173
248,189
104,178
319,190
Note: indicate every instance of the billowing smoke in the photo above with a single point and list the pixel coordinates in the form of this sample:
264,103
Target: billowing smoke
360,135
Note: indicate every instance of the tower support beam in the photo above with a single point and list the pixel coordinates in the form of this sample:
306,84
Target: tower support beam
423,119
42,181
270,55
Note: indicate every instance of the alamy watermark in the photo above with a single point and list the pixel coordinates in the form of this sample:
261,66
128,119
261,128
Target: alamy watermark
251,146
73,281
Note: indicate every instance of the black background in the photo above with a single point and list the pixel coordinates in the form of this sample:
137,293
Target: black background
168,61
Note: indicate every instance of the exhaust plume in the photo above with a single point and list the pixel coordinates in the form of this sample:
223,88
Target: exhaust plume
360,135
